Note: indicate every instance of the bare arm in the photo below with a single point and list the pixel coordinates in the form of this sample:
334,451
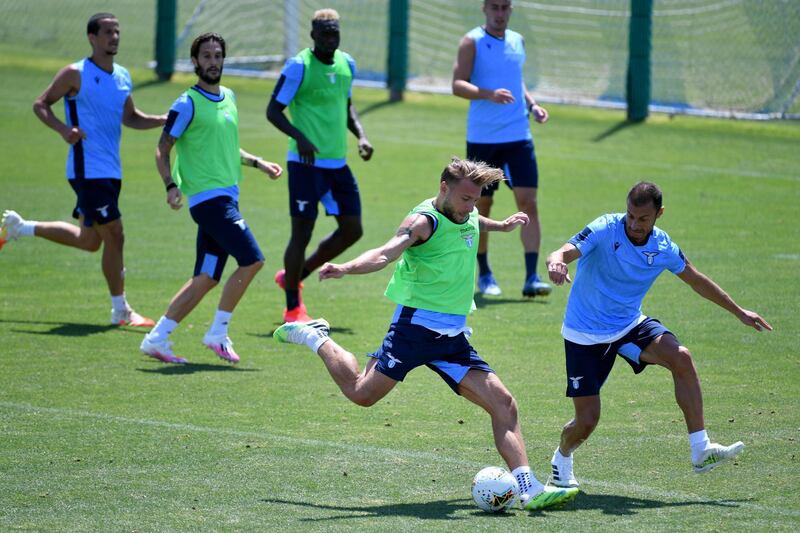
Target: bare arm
354,125
517,219
539,113
133,118
557,263
163,149
273,170
277,118
708,289
66,83
414,228
462,72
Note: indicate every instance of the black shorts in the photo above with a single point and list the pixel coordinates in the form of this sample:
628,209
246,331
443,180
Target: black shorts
221,231
517,159
97,200
336,188
407,346
588,365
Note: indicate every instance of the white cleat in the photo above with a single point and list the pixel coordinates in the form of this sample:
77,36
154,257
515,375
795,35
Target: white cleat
129,317
161,350
221,345
715,455
300,332
11,225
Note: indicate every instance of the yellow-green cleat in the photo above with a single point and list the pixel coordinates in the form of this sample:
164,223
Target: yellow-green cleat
549,497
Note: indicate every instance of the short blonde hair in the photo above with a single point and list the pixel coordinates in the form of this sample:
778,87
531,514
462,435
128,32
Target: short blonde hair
477,172
325,14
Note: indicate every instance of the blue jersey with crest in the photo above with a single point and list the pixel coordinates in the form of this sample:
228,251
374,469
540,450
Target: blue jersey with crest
614,275
498,65
97,110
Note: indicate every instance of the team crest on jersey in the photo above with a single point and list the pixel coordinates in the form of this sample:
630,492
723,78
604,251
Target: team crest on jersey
97,79
227,116
651,256
468,239
332,77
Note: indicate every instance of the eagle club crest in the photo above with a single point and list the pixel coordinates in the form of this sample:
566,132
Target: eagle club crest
332,77
468,239
650,257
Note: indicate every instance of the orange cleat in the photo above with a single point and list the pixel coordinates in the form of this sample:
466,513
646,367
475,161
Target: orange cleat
298,314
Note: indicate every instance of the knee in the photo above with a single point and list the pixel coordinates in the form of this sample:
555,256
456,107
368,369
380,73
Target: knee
681,362
90,245
352,233
204,282
528,205
505,407
255,267
364,399
586,422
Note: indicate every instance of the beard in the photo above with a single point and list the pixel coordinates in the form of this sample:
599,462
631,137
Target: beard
206,77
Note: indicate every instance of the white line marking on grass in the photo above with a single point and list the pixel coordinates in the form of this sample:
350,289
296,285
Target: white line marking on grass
791,257
613,486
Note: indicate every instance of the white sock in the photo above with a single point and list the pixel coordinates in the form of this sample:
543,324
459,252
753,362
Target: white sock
220,325
26,230
163,328
315,341
527,480
699,441
119,303
560,459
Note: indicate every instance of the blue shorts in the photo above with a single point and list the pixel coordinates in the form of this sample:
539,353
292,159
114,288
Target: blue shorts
221,231
98,200
588,365
407,346
517,159
336,188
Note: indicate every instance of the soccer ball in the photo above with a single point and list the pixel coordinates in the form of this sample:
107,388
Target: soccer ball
494,489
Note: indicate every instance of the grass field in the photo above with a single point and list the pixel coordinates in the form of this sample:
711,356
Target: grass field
96,436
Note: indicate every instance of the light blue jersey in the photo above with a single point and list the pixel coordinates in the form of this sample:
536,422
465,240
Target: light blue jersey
614,275
97,110
498,64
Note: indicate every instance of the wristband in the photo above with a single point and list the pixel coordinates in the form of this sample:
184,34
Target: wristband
255,161
530,108
171,186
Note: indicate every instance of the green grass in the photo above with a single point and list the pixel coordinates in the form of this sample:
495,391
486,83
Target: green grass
97,437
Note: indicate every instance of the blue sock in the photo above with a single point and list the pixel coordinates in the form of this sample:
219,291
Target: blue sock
531,258
483,264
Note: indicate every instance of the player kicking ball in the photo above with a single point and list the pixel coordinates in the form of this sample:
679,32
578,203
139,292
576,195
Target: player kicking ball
433,288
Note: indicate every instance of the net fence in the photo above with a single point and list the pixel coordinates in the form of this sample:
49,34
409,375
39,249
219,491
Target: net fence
716,57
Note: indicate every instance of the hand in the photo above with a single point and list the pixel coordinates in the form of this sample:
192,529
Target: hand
331,271
365,149
306,150
753,320
73,135
517,219
558,272
502,96
174,198
162,119
540,114
273,170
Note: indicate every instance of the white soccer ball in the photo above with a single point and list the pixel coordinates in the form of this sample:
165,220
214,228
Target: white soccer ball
494,489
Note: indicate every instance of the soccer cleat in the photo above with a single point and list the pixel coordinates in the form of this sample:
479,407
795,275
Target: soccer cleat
280,279
715,455
161,350
535,287
298,314
562,475
300,332
488,286
129,317
222,346
549,497
10,226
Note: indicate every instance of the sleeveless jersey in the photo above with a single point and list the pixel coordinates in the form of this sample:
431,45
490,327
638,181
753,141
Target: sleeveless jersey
97,110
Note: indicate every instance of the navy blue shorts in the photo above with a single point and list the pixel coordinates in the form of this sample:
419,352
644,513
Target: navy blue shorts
407,346
221,231
336,188
517,159
98,200
588,365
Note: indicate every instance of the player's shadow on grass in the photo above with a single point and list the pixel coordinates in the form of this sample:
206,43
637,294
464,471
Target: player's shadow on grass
617,505
64,329
375,107
482,301
191,368
435,510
